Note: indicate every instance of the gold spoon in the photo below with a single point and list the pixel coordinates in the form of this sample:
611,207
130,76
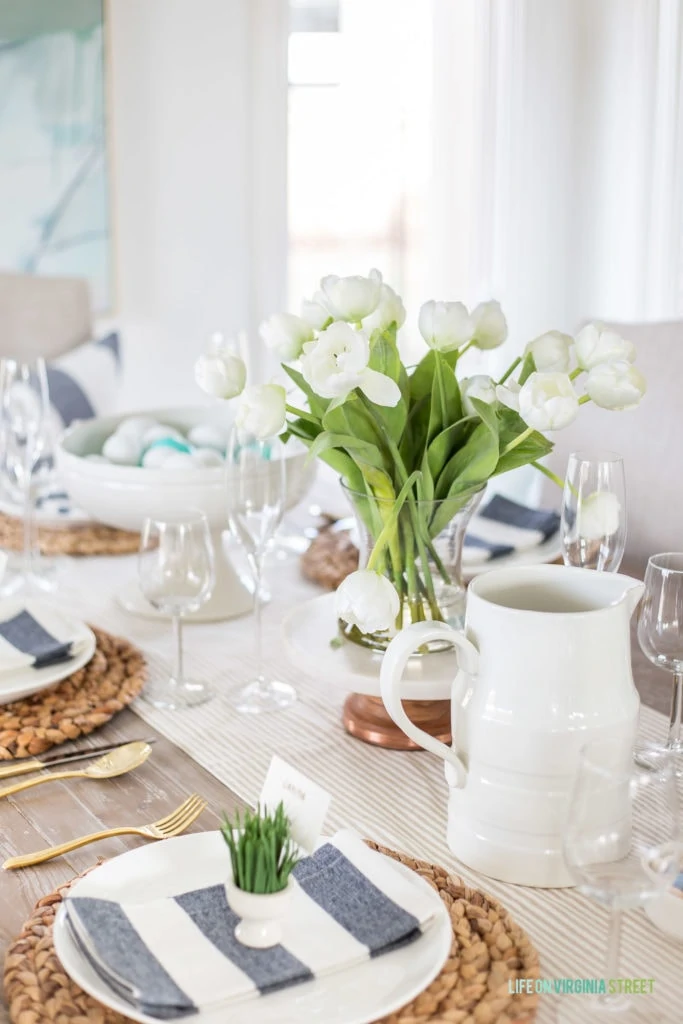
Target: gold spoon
116,762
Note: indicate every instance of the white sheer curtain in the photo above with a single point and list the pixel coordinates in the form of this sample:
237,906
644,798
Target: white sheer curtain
558,158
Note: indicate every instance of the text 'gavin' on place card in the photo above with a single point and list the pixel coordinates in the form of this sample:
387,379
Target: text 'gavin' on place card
305,802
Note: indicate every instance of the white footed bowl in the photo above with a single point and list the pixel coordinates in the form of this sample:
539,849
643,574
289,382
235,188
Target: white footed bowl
123,496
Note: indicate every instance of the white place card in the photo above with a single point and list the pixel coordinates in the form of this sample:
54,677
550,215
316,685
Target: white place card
305,802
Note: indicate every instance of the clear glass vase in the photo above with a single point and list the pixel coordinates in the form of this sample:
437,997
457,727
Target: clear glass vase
424,560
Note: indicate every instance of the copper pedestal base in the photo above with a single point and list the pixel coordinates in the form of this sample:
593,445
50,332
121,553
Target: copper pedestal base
366,719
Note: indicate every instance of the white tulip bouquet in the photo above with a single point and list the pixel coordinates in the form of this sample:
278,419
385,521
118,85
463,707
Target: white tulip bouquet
415,446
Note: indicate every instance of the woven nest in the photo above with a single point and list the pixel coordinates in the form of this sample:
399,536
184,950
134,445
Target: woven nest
89,539
330,558
488,948
82,702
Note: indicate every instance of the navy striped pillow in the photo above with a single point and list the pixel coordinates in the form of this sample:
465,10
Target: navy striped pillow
85,382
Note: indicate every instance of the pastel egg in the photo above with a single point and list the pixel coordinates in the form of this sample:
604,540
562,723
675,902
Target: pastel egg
136,426
207,435
207,458
160,432
123,450
178,460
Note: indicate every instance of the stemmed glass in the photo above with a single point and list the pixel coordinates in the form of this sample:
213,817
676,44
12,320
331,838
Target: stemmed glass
621,844
256,496
660,630
176,571
593,526
25,432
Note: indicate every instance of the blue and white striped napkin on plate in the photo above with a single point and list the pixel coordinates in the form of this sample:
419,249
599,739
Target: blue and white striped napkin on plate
173,956
503,527
35,635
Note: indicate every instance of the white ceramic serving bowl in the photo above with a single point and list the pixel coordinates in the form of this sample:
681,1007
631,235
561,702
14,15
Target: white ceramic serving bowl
123,496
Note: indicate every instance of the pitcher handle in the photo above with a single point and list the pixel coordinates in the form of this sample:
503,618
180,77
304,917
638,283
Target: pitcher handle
393,666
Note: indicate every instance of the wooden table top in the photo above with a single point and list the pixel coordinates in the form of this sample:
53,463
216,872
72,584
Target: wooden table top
54,813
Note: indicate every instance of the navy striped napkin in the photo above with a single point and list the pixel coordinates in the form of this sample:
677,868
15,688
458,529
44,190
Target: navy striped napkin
172,957
33,637
503,527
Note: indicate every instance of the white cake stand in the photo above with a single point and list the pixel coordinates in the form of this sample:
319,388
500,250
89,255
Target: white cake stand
353,670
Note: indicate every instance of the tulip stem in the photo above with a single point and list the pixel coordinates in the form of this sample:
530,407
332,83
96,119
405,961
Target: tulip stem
302,414
510,370
518,440
461,351
584,399
549,473
576,373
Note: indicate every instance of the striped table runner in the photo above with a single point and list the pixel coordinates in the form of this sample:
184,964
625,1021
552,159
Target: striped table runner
397,799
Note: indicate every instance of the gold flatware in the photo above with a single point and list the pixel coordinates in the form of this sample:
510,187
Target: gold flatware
172,825
36,764
116,762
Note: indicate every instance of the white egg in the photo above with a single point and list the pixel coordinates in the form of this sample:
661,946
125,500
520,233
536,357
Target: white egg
160,432
123,450
207,458
178,460
135,426
207,435
155,458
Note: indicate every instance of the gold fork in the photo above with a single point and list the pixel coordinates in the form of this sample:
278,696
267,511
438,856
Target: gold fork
172,825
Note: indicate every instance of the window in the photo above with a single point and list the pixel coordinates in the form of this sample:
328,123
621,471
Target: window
359,143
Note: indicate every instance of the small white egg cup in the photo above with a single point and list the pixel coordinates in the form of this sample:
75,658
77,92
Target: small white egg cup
262,914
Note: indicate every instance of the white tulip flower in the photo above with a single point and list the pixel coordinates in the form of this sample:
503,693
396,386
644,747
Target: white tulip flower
595,345
598,515
221,374
479,386
315,313
368,600
551,352
285,334
490,325
547,401
616,385
390,310
337,363
508,394
262,411
351,298
445,326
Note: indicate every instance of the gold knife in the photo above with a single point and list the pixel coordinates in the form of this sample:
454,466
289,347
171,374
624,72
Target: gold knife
36,764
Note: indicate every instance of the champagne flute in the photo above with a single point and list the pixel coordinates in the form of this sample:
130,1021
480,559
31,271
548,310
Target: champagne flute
593,525
177,572
256,496
25,431
660,630
621,844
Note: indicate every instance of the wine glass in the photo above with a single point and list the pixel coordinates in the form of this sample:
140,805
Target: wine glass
660,630
621,843
593,525
256,496
25,433
176,571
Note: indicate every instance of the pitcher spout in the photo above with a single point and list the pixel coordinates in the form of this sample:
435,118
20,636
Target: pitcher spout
631,591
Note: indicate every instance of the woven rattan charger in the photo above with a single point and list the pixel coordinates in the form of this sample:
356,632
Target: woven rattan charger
82,702
85,539
488,949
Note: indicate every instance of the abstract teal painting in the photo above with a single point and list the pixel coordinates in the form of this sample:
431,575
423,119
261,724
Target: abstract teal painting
54,205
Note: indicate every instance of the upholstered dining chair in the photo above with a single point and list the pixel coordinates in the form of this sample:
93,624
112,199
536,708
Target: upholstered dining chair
43,316
650,438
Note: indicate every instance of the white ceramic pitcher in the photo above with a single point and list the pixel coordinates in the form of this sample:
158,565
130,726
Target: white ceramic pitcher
544,667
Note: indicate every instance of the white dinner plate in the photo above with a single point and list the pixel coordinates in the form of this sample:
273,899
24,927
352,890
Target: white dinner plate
25,681
356,995
548,551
